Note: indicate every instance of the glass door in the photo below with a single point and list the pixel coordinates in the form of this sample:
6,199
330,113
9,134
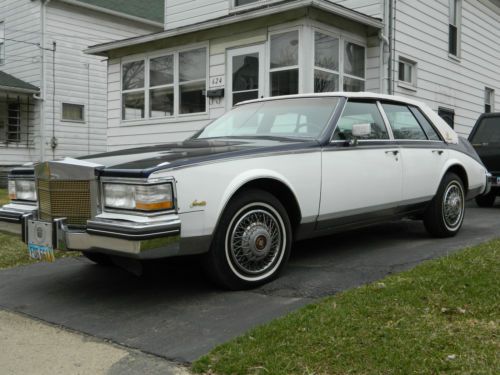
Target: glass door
245,74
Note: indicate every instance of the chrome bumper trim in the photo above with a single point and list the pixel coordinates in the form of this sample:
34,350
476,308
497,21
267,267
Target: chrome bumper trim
12,220
115,237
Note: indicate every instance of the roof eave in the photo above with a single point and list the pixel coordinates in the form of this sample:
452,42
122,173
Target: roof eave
19,90
113,13
320,4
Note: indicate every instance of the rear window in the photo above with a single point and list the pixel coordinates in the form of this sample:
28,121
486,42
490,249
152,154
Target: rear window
488,131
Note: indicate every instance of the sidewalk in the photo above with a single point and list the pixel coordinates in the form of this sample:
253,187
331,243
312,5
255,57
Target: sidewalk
32,347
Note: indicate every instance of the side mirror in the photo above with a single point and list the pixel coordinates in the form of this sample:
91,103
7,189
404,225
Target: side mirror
361,130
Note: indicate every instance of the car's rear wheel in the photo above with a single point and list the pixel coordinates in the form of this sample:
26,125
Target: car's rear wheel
445,215
252,242
487,200
98,258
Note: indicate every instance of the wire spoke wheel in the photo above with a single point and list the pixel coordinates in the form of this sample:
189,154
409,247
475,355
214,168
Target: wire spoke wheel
255,241
453,205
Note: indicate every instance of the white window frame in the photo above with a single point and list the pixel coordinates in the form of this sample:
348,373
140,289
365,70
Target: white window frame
345,40
146,89
412,84
457,23
489,98
342,40
2,42
299,66
313,56
83,120
238,51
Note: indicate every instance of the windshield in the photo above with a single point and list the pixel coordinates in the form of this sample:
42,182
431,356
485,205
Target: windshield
299,118
488,131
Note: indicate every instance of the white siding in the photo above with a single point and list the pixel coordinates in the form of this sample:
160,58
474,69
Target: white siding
80,78
181,12
373,8
22,33
22,60
422,35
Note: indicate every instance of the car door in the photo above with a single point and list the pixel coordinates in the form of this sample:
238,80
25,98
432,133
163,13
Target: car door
423,154
361,176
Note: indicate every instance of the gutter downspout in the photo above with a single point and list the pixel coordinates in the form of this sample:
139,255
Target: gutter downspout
43,86
392,41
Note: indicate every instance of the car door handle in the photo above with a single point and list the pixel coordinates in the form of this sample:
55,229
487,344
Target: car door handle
439,152
394,152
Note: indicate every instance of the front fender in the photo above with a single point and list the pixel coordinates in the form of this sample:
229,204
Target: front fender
248,176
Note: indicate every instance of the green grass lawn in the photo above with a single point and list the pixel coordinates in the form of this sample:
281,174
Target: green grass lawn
13,252
440,318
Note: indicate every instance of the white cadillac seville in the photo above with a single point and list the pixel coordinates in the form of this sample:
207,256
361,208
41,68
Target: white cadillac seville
242,189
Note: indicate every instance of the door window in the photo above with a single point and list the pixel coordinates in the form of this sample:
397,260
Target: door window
357,113
404,125
428,128
245,77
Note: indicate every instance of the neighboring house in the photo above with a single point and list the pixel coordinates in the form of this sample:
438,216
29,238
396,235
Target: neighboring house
215,53
52,95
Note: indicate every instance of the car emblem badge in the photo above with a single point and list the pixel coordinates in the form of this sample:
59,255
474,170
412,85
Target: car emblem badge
197,203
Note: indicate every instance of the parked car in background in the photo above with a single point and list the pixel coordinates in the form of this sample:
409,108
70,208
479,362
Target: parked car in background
485,138
241,190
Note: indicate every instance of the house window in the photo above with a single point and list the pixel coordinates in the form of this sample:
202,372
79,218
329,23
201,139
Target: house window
133,90
326,63
329,72
354,67
447,115
454,27
73,112
284,63
162,86
161,82
489,100
407,72
2,43
14,122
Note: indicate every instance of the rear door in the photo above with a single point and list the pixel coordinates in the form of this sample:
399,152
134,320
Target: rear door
423,153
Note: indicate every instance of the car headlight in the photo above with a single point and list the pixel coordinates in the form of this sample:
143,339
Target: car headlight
23,190
148,198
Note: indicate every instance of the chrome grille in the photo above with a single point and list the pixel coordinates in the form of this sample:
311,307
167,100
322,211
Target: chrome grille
64,199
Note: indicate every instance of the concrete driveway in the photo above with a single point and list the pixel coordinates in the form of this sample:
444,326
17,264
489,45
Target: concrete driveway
172,312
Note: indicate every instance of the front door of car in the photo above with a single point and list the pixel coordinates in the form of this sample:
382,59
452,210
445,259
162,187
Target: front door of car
361,175
422,152
245,74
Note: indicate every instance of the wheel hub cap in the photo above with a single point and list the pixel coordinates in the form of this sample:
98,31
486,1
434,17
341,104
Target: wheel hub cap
453,205
255,242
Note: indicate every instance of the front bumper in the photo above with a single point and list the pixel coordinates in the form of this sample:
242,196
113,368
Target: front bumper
158,239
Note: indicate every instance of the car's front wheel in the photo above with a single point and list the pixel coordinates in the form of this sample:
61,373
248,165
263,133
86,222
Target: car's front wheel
252,242
445,215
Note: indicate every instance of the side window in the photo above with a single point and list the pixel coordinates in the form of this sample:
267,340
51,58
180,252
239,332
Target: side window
428,128
360,113
404,125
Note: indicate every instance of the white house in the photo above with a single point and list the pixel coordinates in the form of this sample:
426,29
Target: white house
214,53
52,95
